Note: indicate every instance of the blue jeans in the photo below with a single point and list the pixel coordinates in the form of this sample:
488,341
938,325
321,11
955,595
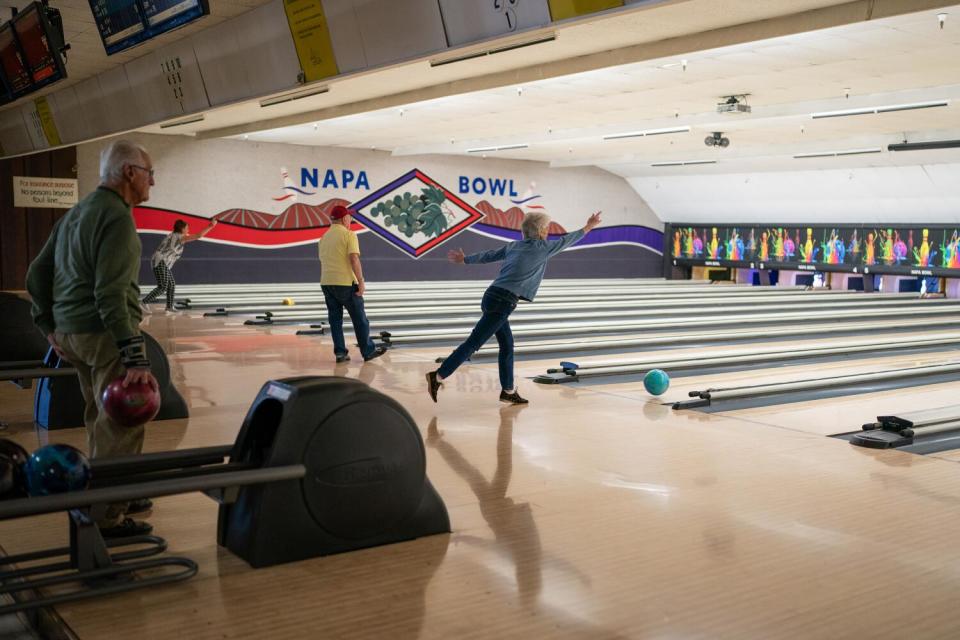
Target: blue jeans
497,305
337,299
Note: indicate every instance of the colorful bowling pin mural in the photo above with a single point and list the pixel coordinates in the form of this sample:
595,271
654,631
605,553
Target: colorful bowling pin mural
808,252
714,246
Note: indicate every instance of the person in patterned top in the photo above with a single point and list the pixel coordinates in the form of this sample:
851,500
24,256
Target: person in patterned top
169,251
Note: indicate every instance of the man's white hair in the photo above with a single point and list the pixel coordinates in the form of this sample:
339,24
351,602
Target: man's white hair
118,154
533,225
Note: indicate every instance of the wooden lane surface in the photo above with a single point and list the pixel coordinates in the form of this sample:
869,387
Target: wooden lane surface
591,513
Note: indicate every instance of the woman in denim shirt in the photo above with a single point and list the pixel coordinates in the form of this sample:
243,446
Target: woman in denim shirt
524,263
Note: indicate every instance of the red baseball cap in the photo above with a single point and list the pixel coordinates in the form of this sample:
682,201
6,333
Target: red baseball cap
340,211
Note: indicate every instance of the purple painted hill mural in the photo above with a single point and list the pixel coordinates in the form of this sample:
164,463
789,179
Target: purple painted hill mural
305,216
509,219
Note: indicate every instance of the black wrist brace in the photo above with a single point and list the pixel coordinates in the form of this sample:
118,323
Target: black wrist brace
133,353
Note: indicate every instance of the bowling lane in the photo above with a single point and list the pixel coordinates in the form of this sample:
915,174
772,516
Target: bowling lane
828,416
720,350
810,417
952,456
548,503
589,344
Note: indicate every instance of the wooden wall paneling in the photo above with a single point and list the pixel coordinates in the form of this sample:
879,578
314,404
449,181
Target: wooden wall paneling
6,204
117,98
345,35
221,64
151,94
39,221
390,35
181,75
13,256
71,119
13,132
90,102
469,22
269,56
63,164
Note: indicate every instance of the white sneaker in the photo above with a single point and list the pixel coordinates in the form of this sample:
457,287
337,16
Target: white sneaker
170,312
145,308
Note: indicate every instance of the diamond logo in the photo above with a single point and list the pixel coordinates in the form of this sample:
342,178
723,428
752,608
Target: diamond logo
415,213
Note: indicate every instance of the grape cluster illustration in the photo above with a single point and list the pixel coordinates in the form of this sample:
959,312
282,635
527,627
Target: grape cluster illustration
412,214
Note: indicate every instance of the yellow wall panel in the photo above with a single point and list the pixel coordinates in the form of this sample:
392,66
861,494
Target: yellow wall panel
47,122
311,37
563,9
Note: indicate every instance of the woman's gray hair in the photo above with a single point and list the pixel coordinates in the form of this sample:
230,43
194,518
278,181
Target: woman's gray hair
533,224
118,154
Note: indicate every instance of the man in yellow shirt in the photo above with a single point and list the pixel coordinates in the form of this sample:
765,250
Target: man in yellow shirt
341,279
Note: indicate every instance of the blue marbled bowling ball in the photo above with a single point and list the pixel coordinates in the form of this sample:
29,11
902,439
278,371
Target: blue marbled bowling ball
56,468
656,381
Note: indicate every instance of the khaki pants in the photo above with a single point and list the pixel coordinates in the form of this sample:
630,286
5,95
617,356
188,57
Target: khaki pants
97,360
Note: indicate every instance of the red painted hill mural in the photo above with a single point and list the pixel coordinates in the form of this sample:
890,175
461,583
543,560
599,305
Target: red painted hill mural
298,224
296,216
301,216
509,219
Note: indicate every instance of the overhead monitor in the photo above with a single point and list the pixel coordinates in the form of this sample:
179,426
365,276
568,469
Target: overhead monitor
126,23
119,22
40,45
164,15
16,75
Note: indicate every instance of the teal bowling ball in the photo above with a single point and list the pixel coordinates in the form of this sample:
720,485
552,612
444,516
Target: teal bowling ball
656,382
56,468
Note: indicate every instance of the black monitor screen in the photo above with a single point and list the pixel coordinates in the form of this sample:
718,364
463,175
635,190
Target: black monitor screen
42,61
126,23
163,15
120,23
11,62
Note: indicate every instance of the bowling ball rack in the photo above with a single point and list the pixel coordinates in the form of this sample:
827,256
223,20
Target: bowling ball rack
99,565
321,465
22,373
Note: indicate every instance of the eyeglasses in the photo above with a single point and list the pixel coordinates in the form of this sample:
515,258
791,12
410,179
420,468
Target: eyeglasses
136,166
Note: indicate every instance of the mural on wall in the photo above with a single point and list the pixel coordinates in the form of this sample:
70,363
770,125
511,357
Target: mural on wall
882,249
414,213
273,202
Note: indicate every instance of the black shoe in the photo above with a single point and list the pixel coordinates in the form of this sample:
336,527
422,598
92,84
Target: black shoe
344,358
512,398
379,351
433,385
126,527
140,505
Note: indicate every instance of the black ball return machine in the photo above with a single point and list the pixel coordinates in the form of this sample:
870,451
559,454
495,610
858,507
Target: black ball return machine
321,465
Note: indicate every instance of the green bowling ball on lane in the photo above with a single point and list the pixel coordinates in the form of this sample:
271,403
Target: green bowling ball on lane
656,382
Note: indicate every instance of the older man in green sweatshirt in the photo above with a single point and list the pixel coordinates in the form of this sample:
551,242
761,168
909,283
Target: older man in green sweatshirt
86,301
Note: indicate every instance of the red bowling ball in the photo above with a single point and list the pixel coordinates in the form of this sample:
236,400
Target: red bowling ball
133,405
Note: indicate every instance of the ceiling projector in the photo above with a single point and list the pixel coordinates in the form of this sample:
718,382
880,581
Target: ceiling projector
734,104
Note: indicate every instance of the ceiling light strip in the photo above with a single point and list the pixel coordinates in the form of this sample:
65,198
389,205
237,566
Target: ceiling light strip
923,146
488,52
180,123
647,132
881,109
507,147
831,154
682,163
293,95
